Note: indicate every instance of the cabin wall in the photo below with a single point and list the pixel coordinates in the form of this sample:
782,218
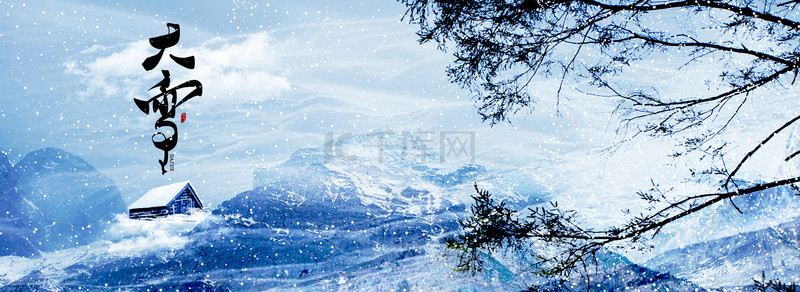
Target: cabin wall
183,203
148,213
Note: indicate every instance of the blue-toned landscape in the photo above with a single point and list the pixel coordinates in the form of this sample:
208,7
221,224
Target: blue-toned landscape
318,225
332,150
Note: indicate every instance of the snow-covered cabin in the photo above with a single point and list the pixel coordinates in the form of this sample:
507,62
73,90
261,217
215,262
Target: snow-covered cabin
178,198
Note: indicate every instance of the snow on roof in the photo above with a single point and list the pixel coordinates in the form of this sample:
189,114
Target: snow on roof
160,196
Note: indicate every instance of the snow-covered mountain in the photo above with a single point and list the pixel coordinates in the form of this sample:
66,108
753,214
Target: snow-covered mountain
319,222
324,221
390,171
735,248
72,200
308,222
737,260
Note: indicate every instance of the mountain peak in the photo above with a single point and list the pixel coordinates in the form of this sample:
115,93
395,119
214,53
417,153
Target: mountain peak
50,160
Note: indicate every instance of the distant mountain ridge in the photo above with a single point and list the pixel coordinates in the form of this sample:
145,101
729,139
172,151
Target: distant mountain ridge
320,221
737,260
389,171
58,200
50,161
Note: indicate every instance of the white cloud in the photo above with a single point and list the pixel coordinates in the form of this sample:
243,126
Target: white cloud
128,237
236,69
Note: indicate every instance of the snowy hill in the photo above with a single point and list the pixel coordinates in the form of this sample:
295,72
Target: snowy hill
737,260
74,199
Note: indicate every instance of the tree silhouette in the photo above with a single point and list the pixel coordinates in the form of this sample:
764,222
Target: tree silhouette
765,285
502,46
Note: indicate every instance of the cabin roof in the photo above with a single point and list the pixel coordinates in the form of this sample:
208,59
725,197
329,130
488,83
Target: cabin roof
161,196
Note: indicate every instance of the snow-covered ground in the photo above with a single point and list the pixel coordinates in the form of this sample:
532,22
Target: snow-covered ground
124,238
